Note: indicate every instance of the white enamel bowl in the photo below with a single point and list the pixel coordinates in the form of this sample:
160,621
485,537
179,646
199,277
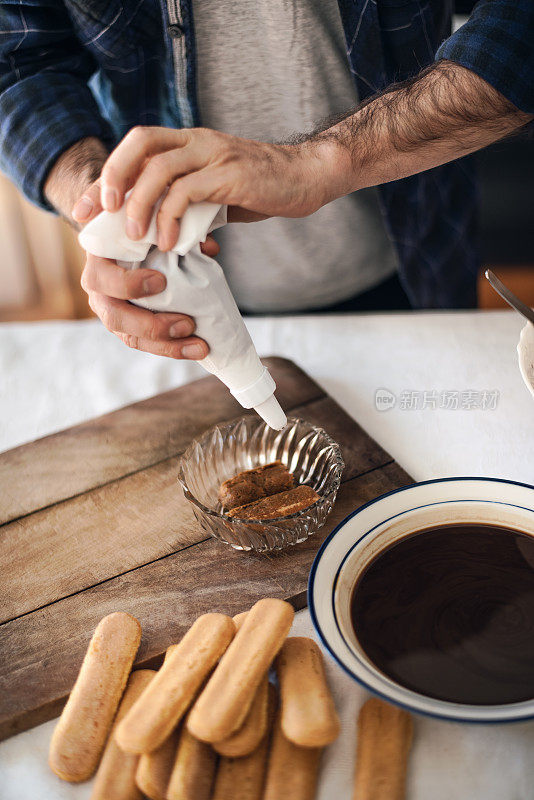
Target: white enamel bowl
525,355
374,526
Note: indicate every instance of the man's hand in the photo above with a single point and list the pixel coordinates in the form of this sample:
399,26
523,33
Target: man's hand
75,173
445,112
72,183
110,287
255,179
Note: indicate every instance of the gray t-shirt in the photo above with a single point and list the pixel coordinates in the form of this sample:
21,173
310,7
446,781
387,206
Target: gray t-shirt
268,69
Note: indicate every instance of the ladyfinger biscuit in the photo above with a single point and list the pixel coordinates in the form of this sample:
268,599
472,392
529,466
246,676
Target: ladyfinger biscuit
193,769
309,716
154,769
161,706
255,483
243,778
239,619
385,735
115,777
169,651
225,702
277,505
292,771
252,731
82,730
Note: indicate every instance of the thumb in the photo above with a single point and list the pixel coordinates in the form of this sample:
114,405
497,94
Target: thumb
210,247
88,206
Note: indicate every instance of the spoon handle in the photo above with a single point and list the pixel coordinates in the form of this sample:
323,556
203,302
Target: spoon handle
509,296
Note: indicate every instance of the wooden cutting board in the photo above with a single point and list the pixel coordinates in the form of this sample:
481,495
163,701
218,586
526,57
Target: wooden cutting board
93,520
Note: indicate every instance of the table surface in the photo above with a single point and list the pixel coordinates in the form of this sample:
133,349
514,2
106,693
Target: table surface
57,374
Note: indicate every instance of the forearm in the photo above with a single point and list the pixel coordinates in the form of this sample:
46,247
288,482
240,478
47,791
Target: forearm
73,173
443,114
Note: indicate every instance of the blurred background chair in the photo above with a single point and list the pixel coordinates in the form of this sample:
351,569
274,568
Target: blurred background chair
40,262
506,172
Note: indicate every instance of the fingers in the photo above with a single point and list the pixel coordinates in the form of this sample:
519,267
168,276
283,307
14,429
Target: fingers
210,247
192,188
88,206
127,160
106,277
122,317
162,334
191,349
158,173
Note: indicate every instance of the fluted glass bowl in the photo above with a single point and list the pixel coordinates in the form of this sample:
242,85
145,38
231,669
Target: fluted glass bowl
225,450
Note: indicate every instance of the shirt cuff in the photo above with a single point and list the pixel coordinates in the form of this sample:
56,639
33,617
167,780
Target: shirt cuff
42,116
496,44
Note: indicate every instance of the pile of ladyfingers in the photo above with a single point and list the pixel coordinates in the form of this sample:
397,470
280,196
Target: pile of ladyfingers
209,725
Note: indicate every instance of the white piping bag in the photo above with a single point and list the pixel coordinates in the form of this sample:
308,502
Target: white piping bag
196,286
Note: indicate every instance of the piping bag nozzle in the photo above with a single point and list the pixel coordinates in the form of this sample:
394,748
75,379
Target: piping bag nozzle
271,411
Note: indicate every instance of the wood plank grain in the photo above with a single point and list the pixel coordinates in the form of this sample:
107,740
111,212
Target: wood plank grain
129,522
40,652
92,537
65,464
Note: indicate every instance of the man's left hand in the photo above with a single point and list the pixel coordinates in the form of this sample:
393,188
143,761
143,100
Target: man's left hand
256,180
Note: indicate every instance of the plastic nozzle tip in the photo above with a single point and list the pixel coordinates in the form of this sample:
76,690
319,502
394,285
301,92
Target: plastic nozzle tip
271,411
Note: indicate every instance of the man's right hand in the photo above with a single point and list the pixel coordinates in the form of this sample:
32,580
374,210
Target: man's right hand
110,287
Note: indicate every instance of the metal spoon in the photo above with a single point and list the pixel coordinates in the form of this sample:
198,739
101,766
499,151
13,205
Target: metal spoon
509,296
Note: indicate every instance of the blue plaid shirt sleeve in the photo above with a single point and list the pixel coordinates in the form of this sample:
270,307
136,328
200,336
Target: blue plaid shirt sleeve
497,43
45,102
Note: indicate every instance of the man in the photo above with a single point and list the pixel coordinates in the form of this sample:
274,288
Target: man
264,70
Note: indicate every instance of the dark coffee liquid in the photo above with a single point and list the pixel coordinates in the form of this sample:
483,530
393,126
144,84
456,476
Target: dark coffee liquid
449,613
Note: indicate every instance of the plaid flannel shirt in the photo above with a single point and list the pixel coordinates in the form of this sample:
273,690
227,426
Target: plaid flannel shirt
69,70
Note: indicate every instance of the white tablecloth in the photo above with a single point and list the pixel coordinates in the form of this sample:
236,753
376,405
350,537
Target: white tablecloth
54,375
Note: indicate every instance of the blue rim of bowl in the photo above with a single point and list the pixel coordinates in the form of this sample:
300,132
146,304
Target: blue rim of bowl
323,638
267,522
